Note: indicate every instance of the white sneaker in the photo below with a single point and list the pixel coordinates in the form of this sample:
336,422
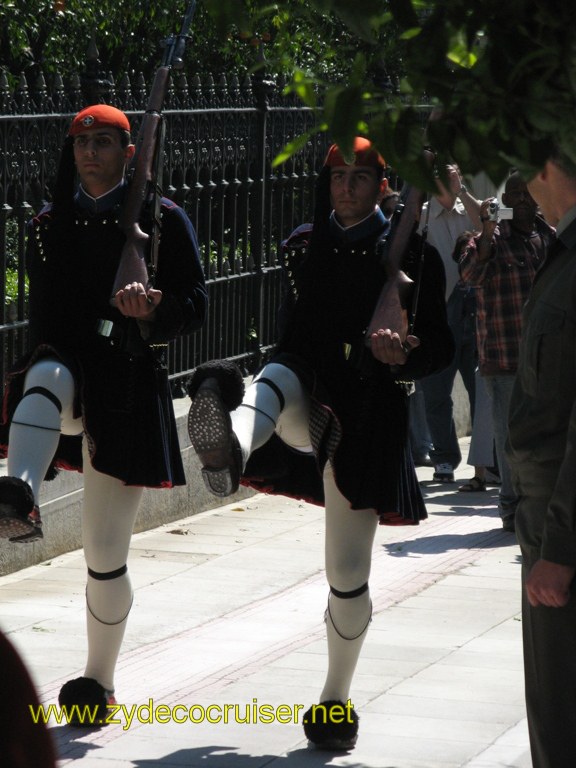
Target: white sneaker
443,473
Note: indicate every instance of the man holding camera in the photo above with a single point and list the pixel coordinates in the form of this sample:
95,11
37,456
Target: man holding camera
501,263
449,213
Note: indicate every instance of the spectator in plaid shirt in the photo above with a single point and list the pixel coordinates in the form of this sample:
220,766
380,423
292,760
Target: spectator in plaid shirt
500,262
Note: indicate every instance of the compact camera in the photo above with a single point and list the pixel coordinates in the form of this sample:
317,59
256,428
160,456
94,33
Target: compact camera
497,213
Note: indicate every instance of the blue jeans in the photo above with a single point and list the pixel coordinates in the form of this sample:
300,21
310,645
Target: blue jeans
500,390
437,388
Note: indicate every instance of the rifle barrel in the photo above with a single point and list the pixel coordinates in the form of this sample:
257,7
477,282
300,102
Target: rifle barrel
175,51
143,187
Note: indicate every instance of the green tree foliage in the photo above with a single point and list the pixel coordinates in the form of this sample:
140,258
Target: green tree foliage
53,35
503,73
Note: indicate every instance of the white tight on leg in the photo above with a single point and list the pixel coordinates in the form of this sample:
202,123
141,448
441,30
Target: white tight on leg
262,412
348,545
109,510
37,422
109,513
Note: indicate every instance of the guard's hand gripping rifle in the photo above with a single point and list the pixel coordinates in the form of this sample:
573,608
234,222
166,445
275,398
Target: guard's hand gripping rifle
389,311
139,256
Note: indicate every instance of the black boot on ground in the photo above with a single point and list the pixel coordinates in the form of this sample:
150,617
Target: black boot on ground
331,725
86,702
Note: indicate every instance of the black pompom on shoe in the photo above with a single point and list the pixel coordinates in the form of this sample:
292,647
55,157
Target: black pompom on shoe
331,725
229,378
17,511
86,702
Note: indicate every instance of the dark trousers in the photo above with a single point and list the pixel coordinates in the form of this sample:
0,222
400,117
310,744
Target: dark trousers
437,388
549,638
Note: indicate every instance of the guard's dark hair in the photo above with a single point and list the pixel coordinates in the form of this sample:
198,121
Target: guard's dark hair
59,236
322,208
65,177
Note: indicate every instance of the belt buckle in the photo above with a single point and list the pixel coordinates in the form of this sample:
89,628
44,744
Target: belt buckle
105,328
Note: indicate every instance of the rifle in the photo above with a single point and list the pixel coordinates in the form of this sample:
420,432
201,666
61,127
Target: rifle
138,261
389,311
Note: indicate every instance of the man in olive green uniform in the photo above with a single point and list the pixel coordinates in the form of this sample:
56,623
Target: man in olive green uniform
542,454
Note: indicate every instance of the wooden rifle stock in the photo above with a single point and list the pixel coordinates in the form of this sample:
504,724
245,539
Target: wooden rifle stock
138,257
133,266
389,311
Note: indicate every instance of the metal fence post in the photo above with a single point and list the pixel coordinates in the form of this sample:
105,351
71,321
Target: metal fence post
219,139
261,88
95,87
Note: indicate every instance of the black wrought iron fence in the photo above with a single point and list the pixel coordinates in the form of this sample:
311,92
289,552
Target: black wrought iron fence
221,139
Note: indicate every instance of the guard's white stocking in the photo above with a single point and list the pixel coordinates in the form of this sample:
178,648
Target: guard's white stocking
349,542
110,509
37,421
274,401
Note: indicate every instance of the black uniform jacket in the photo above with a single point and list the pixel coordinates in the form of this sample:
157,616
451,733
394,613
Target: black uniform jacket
122,387
359,414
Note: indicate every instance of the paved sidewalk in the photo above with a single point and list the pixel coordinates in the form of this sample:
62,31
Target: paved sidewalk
227,618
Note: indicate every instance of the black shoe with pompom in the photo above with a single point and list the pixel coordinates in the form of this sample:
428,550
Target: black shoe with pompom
86,702
331,725
227,375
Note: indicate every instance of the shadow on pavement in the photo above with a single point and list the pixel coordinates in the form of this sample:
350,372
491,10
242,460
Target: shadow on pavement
493,539
220,757
459,499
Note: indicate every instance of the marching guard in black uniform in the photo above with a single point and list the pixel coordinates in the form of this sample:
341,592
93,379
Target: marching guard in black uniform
327,418
92,393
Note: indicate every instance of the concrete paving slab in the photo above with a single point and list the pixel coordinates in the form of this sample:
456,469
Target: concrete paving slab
228,613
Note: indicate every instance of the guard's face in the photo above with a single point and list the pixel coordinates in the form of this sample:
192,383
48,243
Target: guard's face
100,159
355,191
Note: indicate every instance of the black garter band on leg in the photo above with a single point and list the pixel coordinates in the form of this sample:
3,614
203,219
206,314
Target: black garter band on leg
108,576
348,596
49,396
277,391
45,393
351,594
275,388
